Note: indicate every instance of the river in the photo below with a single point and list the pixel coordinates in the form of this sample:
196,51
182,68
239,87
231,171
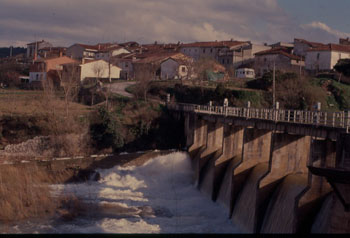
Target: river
157,197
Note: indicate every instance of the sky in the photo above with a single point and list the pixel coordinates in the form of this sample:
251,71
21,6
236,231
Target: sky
66,22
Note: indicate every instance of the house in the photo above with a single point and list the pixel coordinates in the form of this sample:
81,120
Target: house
107,53
40,69
245,73
324,58
301,46
286,45
210,49
98,69
125,62
82,51
344,41
240,54
51,52
280,58
172,68
152,61
32,48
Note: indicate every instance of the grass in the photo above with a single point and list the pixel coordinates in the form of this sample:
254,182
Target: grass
28,102
340,93
22,195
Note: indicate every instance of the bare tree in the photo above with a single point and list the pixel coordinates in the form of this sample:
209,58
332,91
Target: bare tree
144,74
69,80
99,70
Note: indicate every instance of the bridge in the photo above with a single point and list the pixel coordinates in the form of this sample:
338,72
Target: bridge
275,170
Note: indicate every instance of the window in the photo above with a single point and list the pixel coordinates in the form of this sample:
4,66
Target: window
126,65
183,69
37,77
265,60
318,55
203,50
339,55
227,61
211,50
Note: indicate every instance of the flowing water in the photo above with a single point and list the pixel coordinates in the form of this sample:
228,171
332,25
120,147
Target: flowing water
281,211
157,197
245,209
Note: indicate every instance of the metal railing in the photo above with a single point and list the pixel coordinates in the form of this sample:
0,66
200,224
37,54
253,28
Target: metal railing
317,118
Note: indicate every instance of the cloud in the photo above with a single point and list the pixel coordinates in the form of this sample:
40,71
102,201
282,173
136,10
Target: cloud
320,26
66,22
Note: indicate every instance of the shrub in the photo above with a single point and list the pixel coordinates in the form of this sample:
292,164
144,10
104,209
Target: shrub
106,131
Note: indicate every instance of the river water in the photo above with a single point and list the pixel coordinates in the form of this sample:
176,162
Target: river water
157,197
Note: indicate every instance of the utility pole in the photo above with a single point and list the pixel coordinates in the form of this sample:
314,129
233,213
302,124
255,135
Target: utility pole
274,85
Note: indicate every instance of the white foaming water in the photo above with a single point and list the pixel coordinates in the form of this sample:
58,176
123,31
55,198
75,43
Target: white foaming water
157,197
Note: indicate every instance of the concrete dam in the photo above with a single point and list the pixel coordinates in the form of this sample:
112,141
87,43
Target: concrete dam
276,171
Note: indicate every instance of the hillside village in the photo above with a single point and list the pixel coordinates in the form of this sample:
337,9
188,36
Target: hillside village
232,59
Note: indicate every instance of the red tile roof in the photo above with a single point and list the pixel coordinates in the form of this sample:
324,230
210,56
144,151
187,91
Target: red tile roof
214,44
159,57
279,51
332,47
310,43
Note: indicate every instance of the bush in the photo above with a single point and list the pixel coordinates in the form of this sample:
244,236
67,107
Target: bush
106,131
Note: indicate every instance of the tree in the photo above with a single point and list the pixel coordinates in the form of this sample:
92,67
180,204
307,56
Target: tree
69,78
99,70
201,68
343,67
144,74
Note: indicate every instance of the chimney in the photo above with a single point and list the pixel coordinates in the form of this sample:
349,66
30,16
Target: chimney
83,61
99,46
60,53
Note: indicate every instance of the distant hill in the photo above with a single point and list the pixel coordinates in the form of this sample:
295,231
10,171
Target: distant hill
5,51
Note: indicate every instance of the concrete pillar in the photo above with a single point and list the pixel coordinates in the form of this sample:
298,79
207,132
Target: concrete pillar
332,218
289,155
231,150
189,128
199,136
256,149
281,215
322,155
343,151
211,150
246,177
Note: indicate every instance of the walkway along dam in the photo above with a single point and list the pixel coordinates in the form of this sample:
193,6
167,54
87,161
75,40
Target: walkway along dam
274,170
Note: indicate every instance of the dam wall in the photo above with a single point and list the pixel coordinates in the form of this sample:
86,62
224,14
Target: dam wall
259,171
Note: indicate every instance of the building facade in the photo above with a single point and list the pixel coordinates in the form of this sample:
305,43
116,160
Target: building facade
326,57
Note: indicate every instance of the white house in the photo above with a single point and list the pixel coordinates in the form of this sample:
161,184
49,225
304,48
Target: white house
280,58
326,57
301,46
110,52
99,69
240,54
172,68
245,73
211,49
